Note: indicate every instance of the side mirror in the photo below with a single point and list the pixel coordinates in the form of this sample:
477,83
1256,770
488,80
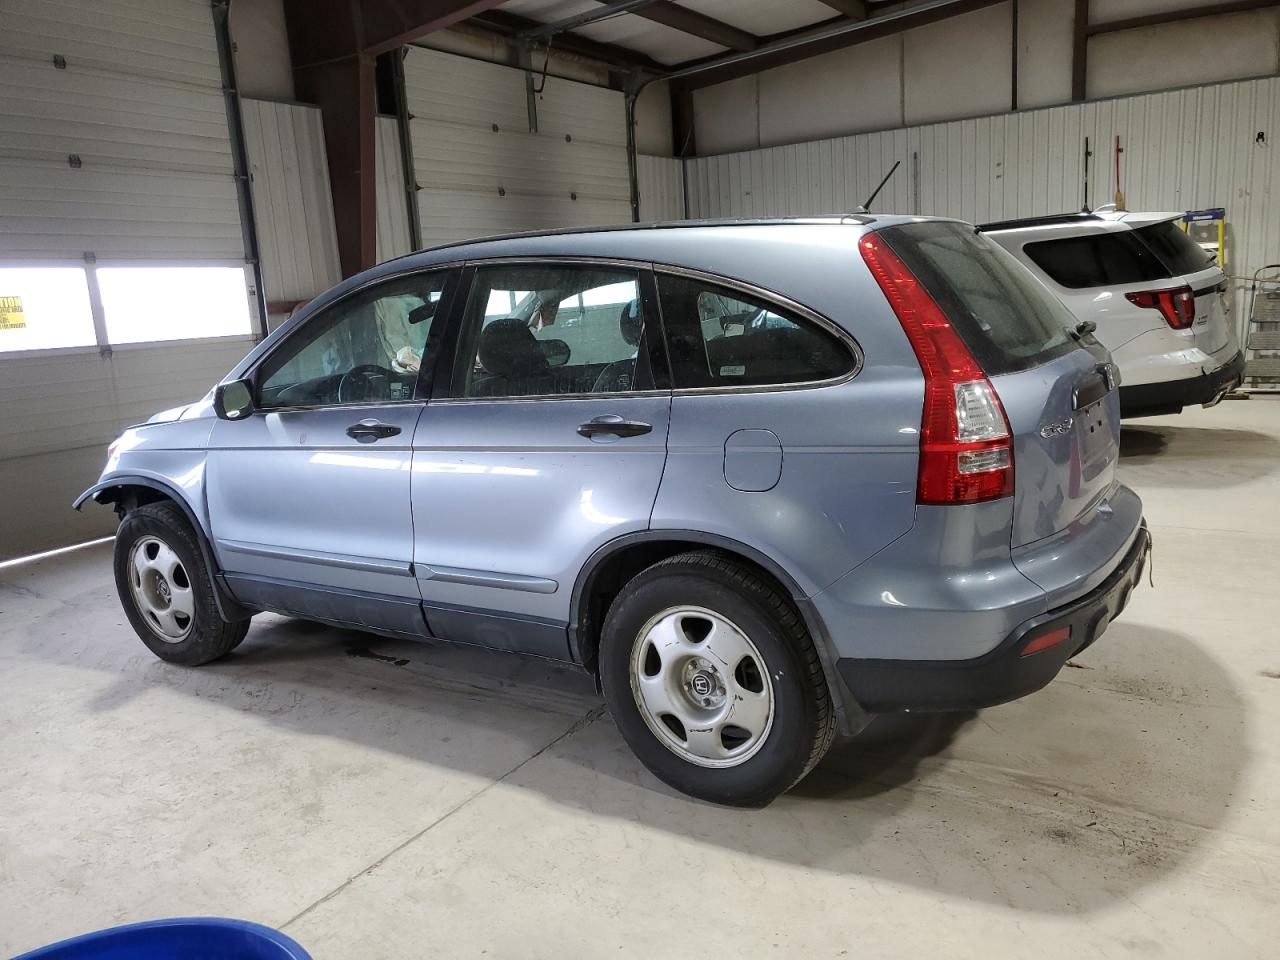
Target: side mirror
1085,328
234,400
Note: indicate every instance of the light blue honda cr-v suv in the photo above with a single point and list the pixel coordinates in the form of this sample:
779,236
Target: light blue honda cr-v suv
764,479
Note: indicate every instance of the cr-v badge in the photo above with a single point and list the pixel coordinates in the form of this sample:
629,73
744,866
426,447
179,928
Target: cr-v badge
1057,429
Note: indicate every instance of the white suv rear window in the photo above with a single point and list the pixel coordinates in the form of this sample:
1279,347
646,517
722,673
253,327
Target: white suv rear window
1097,260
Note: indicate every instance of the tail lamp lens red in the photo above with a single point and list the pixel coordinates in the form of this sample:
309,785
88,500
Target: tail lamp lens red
1178,307
966,447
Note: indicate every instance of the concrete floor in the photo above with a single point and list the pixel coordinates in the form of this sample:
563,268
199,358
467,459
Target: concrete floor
381,799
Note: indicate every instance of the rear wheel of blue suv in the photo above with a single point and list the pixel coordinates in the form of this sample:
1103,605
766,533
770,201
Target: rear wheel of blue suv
714,681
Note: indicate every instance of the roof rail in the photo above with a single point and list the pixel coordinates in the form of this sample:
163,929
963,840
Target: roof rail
1045,221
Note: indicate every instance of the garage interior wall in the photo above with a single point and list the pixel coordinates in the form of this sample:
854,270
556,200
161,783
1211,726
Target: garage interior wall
292,203
481,170
964,67
1183,150
114,152
393,212
661,183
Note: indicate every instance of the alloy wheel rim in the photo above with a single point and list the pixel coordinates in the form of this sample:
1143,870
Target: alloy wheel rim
702,686
161,589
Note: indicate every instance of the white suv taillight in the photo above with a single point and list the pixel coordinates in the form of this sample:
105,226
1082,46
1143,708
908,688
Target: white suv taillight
1178,307
966,446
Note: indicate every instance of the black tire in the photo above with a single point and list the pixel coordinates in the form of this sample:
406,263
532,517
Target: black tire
803,718
208,636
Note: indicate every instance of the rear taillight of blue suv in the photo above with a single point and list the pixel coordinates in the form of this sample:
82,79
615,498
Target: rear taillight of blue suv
966,445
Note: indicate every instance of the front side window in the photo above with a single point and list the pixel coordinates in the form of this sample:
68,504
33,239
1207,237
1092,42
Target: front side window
367,348
552,330
718,337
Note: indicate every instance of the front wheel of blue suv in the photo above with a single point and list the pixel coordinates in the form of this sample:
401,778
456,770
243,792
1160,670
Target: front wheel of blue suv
713,680
166,588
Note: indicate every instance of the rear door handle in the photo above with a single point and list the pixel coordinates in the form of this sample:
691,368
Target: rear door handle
367,431
614,425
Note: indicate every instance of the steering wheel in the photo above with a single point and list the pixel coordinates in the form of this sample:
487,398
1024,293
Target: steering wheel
357,383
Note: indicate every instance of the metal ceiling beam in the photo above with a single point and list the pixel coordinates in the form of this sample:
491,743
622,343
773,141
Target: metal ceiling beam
1174,16
843,33
331,71
699,25
853,9
1079,50
511,26
582,19
333,45
389,24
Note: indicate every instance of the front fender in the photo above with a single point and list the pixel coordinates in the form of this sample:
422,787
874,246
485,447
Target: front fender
228,607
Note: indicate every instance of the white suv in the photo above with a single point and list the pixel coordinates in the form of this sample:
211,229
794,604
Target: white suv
1157,299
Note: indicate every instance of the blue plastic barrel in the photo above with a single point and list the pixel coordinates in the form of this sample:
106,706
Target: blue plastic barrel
182,938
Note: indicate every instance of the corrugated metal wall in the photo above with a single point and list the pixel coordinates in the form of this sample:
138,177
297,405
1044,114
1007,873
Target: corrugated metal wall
58,412
481,171
661,183
123,152
393,213
139,107
292,203
1183,149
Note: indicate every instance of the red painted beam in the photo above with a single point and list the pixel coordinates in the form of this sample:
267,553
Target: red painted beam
389,24
333,45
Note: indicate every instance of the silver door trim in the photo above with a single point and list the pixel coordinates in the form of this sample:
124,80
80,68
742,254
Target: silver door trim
486,578
399,568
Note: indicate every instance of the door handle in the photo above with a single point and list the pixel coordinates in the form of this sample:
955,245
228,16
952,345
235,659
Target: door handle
614,425
367,431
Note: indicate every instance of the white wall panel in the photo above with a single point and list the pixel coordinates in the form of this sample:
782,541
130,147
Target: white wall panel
110,119
167,39
1183,149
393,214
50,212
661,185
59,411
1184,52
123,153
292,205
481,171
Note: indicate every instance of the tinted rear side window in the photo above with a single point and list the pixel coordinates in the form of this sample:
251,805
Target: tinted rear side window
1178,252
1008,319
1097,260
721,337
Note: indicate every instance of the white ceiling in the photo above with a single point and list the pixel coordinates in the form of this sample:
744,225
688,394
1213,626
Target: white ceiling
666,44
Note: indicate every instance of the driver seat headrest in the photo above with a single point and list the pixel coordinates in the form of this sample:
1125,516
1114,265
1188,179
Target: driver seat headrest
629,323
508,349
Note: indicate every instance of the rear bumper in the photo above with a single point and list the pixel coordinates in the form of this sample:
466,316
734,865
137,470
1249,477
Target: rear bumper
1170,396
1007,672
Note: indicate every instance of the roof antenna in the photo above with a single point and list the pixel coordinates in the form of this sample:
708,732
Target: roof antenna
866,205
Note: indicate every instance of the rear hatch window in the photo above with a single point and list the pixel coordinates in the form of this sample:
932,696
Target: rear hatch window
1177,251
1097,260
1007,318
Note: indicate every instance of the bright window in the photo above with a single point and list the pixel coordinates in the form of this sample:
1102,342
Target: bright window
143,304
42,308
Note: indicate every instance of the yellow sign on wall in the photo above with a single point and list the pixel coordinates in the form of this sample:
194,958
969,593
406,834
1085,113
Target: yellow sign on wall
11,315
